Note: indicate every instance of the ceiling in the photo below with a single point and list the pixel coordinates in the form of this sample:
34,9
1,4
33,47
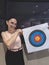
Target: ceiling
28,9
2,8
29,0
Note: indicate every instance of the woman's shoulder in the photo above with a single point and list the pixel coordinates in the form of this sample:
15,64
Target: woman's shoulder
3,32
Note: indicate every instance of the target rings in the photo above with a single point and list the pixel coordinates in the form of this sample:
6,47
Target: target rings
37,38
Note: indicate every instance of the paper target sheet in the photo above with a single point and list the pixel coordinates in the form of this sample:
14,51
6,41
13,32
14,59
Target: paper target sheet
36,37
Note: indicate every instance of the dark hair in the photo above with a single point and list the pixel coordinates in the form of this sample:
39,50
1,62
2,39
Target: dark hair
18,23
10,18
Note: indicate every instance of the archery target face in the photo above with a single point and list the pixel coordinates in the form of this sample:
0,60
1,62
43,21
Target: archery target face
36,37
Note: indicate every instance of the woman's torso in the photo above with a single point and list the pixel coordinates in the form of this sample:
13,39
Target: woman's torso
16,45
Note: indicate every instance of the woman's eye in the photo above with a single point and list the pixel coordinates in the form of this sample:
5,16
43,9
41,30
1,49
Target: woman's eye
12,23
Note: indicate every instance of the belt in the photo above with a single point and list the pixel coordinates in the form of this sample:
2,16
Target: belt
16,49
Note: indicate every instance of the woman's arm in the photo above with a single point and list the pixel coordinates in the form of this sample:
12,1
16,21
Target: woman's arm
11,40
48,27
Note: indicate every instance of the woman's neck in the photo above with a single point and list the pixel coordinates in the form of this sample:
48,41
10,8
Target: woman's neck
11,31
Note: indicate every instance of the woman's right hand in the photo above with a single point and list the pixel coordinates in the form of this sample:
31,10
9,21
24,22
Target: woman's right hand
19,31
48,27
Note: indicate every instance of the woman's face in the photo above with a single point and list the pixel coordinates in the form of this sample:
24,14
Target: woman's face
12,24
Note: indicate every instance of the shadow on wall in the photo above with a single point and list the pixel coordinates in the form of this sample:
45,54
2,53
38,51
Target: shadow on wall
36,55
39,54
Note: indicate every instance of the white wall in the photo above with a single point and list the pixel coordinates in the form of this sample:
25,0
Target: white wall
39,58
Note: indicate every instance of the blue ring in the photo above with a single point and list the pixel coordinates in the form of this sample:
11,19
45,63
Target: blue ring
33,42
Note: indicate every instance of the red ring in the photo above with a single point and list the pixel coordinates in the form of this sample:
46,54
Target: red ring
36,36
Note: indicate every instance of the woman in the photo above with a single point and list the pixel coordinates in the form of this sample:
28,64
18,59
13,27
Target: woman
11,38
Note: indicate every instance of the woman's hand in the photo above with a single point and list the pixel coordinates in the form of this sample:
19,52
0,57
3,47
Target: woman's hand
20,32
48,27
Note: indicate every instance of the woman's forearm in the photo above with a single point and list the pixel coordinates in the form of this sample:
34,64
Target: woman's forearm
12,39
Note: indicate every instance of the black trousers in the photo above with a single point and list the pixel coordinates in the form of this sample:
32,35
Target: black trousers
14,58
